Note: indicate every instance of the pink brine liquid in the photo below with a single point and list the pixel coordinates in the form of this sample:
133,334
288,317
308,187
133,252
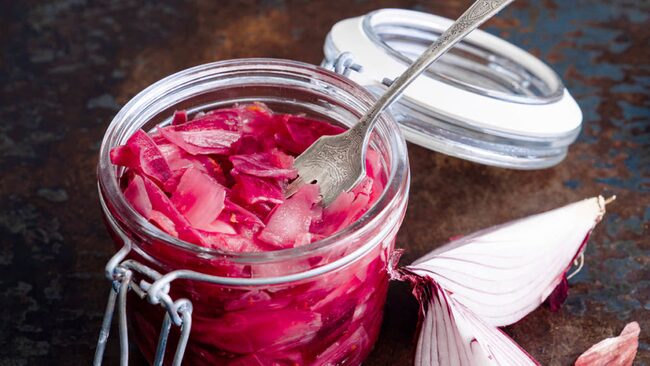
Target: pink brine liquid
217,180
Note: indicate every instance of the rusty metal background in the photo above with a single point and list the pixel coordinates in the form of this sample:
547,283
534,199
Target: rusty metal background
67,66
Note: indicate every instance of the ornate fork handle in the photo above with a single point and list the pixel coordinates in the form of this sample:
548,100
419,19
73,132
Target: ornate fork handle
473,17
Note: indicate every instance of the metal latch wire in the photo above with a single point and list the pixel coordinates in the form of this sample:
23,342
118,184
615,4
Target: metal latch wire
343,64
179,312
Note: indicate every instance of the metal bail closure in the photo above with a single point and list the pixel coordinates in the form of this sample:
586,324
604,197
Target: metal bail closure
343,64
121,272
486,100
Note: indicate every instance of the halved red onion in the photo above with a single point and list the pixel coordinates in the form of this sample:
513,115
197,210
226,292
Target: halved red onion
492,278
505,272
615,351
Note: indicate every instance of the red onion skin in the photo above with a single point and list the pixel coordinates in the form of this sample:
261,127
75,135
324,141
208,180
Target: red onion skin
557,298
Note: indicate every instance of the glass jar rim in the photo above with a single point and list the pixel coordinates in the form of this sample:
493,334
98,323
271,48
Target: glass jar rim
111,195
415,21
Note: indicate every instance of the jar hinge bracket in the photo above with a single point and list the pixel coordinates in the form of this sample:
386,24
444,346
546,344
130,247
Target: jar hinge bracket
343,64
121,274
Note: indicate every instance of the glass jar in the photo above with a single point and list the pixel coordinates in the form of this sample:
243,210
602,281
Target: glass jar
319,304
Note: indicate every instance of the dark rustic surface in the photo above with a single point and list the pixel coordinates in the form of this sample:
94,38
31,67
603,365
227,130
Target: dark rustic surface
67,66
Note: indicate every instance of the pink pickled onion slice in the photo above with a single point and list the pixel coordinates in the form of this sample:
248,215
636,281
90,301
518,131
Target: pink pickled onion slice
249,144
163,222
178,159
222,120
228,242
346,348
180,117
364,187
374,174
373,164
258,129
161,203
137,196
252,113
143,155
238,215
199,198
171,183
220,226
257,120
452,334
251,331
158,138
345,209
273,164
273,358
505,272
253,190
616,351
302,132
122,156
246,223
201,142
252,297
288,225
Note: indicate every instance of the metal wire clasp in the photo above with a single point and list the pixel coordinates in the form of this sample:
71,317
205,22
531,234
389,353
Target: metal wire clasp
179,313
343,64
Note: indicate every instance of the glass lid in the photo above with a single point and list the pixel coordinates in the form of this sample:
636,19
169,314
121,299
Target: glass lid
486,100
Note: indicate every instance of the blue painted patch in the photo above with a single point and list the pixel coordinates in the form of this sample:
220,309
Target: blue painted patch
620,268
638,185
575,305
589,105
583,276
616,225
631,111
572,183
613,152
638,86
608,165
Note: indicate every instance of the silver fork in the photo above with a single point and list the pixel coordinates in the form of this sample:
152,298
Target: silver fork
337,163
